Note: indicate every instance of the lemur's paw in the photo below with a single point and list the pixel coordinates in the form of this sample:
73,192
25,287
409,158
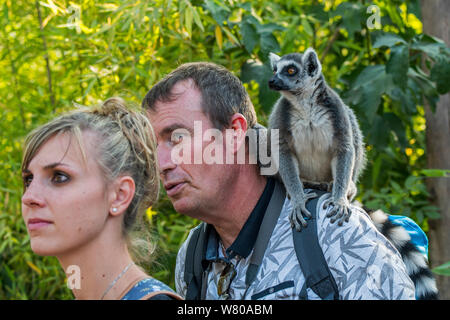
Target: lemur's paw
340,210
299,212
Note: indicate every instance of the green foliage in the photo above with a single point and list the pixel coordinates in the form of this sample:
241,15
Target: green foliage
443,270
98,49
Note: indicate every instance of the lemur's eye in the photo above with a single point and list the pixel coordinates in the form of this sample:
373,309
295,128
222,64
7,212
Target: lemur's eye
291,71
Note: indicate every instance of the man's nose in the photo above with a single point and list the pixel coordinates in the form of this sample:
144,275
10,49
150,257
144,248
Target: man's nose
33,195
165,161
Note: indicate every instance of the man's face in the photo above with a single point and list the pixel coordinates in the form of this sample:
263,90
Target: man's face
192,188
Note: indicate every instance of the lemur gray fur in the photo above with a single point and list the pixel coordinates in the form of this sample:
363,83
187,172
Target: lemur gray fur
320,140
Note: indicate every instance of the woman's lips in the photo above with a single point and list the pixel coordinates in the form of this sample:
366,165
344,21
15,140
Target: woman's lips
35,224
174,189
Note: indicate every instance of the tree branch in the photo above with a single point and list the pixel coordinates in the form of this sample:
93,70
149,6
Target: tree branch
330,43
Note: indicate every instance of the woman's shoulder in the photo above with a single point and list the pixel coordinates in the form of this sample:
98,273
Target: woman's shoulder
150,288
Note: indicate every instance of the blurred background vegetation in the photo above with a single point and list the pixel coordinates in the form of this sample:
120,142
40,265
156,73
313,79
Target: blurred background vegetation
55,53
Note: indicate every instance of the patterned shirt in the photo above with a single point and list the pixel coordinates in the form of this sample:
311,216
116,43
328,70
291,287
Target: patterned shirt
364,264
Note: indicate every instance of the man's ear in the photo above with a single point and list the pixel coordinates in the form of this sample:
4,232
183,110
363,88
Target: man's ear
273,59
311,62
122,194
239,126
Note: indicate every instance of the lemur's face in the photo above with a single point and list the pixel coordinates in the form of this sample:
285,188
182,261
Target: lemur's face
294,72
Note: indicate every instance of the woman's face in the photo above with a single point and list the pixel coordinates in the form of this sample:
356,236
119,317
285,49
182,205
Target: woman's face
65,203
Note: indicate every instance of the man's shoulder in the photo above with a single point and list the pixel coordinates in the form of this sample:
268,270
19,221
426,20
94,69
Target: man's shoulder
364,263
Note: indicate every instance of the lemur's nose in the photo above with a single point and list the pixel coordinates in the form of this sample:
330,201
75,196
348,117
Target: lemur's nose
274,83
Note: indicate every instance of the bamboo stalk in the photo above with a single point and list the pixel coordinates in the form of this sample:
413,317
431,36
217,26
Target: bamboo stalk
47,60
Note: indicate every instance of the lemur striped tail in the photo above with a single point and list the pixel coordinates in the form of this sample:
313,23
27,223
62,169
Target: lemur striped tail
416,264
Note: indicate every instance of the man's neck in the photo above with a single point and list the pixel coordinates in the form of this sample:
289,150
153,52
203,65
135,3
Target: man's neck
242,198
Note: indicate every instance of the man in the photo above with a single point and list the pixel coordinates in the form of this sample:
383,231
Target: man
233,199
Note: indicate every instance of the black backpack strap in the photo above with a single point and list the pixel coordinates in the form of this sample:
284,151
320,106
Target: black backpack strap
193,267
265,231
310,257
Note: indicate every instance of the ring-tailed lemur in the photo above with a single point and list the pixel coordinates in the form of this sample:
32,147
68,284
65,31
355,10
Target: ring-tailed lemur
320,140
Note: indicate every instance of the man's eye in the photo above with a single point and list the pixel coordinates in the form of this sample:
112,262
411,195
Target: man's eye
177,137
60,177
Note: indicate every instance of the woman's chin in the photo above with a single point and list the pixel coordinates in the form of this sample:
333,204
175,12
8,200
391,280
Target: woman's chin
42,248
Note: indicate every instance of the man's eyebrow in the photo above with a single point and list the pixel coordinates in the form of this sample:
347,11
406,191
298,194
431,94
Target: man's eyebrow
169,129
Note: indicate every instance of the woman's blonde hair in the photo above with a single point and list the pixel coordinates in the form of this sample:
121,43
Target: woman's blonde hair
125,145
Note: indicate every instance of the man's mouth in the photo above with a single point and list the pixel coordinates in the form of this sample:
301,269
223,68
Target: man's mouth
173,188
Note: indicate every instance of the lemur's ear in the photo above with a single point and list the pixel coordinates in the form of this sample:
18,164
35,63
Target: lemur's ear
311,62
273,59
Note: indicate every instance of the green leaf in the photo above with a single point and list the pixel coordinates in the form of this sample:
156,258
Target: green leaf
406,100
388,40
443,270
370,84
368,75
269,27
188,18
435,173
261,73
398,65
246,6
249,36
440,73
219,12
318,12
268,43
378,135
197,19
353,15
307,27
396,125
427,87
430,45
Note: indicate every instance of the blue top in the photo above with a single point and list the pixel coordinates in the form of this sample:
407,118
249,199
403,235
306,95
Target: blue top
144,287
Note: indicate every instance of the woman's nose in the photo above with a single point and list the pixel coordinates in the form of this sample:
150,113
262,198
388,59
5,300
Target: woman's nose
33,195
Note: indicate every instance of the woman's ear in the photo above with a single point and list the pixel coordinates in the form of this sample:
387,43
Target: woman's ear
121,195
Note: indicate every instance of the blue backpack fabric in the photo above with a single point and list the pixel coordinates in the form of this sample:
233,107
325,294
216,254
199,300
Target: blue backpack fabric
418,237
145,287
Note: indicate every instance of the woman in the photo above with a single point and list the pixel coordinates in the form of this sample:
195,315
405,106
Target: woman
88,177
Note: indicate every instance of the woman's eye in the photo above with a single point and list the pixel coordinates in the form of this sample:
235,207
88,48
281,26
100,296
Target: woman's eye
60,177
27,180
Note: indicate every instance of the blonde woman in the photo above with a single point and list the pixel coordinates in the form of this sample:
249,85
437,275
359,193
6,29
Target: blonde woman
88,177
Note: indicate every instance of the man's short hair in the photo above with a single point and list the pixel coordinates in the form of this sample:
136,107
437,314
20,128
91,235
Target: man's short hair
222,92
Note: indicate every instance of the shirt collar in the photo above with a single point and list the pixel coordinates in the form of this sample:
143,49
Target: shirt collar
246,238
